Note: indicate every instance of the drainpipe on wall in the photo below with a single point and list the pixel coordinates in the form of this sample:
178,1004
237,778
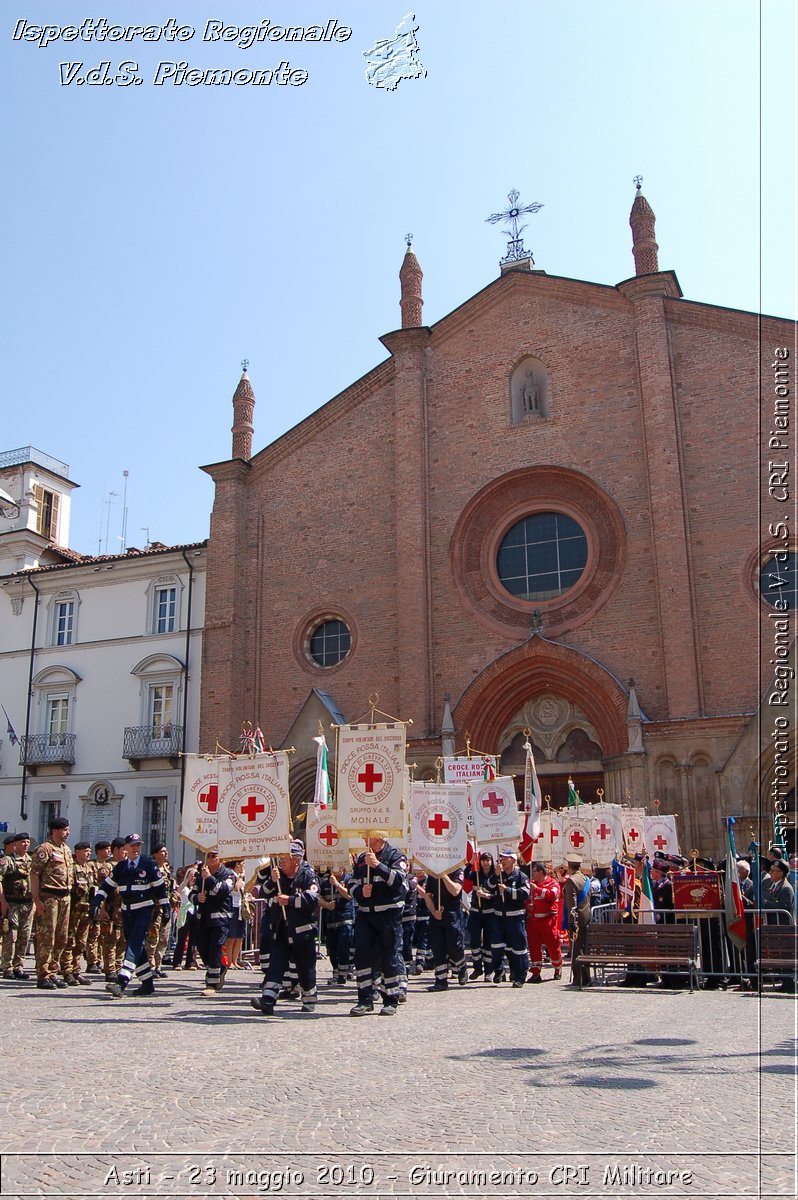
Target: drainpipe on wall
185,689
22,813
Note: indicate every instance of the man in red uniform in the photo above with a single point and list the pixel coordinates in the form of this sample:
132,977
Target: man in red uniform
542,922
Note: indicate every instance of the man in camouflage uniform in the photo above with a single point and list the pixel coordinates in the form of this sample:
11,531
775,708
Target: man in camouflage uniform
158,936
52,875
16,904
79,917
101,866
112,933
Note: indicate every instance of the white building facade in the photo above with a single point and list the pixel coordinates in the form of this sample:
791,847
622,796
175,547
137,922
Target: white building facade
100,670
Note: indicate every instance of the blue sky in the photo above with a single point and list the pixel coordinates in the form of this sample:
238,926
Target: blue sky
156,236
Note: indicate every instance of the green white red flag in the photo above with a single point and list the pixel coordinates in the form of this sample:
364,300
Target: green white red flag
733,898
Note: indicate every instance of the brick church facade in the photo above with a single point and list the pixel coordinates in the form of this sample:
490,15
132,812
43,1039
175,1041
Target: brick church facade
557,530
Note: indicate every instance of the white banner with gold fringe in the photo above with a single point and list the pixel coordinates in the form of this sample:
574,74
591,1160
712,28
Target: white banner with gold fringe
323,842
370,778
494,811
199,816
438,816
254,812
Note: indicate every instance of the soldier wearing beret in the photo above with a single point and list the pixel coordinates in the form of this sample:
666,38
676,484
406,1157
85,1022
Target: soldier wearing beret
52,875
109,917
79,916
100,867
16,904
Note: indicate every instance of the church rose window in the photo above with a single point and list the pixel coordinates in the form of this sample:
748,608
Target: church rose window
542,556
777,580
329,643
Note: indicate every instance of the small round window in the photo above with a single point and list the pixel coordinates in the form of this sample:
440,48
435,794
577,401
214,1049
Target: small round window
777,580
329,643
542,556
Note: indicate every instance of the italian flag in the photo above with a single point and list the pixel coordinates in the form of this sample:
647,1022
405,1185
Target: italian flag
531,830
733,899
645,914
322,793
573,794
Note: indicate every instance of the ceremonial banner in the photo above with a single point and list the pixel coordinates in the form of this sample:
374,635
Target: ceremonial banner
530,828
660,834
606,834
494,811
697,892
438,815
321,795
371,773
254,809
463,770
323,842
542,847
632,820
577,832
198,821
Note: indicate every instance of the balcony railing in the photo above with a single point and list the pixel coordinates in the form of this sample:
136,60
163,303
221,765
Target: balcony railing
47,749
148,741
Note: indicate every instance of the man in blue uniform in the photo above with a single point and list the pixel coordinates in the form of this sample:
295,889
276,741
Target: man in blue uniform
140,886
292,897
442,898
509,928
336,899
379,885
212,897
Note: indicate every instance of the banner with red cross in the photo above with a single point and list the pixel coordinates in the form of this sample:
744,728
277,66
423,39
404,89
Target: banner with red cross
254,809
494,811
577,833
199,818
606,833
370,778
323,841
438,819
632,824
660,835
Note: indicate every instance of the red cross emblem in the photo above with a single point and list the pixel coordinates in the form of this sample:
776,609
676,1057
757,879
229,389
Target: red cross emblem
210,799
251,809
555,831
576,838
328,835
660,842
369,778
633,834
493,803
603,831
438,824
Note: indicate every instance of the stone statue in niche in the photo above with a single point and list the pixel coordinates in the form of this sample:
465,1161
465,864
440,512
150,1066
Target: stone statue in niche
530,393
530,390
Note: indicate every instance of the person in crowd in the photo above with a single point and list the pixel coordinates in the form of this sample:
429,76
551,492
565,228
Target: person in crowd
543,921
509,913
379,886
79,915
140,887
184,946
576,898
336,898
442,898
52,875
423,954
108,918
478,875
292,895
101,866
237,926
16,904
160,930
212,897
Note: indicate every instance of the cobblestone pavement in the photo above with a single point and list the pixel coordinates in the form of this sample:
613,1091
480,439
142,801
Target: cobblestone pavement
187,1091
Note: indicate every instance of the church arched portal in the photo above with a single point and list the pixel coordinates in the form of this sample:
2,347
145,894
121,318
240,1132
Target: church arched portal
576,711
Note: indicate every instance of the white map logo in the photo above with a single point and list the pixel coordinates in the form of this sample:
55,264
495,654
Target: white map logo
390,60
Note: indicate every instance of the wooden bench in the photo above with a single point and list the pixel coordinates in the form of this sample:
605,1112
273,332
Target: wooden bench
656,947
777,946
